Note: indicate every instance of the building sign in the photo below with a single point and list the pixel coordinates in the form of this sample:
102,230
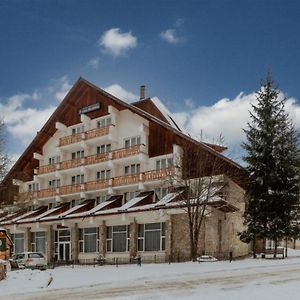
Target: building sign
89,108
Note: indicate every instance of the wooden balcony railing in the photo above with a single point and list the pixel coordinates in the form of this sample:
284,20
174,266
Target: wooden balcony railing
102,184
70,189
46,193
68,164
46,169
127,179
96,185
96,132
125,152
70,139
96,158
75,138
158,174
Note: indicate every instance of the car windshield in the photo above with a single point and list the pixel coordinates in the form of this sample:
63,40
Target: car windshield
35,255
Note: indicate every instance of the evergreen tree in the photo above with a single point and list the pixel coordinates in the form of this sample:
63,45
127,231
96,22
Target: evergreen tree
273,163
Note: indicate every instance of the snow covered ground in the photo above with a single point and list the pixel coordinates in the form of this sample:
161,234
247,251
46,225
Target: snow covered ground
242,279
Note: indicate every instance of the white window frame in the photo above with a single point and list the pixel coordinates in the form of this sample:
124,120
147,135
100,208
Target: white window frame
104,122
164,163
141,239
132,169
110,237
82,233
77,179
132,141
103,148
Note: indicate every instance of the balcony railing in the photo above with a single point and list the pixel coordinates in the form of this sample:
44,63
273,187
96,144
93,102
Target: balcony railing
96,158
46,193
96,185
127,179
90,134
125,152
46,169
102,184
158,174
91,159
68,164
70,189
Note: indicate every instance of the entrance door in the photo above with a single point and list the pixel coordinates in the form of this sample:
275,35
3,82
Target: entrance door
64,251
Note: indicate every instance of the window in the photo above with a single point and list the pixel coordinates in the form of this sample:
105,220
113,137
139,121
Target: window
151,237
38,242
50,205
104,122
161,192
78,129
88,240
54,183
130,142
100,199
164,163
117,238
77,179
129,195
74,202
18,240
132,169
53,160
104,174
104,148
33,187
78,154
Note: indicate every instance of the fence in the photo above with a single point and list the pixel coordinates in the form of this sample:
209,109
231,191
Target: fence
2,272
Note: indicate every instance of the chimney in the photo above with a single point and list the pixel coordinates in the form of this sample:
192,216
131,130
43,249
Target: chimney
142,92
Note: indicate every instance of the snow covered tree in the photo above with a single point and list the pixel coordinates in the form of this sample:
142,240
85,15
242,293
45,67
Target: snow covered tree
273,162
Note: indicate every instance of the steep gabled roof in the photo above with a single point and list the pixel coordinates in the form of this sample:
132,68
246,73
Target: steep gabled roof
23,168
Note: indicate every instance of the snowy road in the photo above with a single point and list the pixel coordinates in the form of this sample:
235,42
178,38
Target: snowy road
249,279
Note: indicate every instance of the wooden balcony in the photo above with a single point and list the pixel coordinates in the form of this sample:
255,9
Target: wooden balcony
125,152
70,189
127,179
68,164
97,185
46,193
158,174
96,158
90,134
46,169
70,139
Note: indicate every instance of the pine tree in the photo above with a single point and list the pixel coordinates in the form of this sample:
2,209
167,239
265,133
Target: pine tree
273,163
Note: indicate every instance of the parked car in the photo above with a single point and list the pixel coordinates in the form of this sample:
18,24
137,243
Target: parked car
30,260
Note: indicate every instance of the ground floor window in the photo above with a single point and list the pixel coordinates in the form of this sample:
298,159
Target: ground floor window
117,238
62,245
38,242
151,237
88,240
18,240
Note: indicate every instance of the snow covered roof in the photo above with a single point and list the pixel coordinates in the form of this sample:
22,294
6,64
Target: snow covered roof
166,113
133,202
168,198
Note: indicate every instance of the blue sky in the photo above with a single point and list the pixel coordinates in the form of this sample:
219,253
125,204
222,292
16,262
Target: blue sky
203,59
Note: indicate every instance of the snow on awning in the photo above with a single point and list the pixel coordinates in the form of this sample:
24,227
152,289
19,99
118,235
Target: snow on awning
75,209
11,217
142,198
43,216
168,198
110,205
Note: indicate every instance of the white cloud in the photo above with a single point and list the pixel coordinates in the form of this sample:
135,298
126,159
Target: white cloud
170,36
63,86
227,117
121,93
23,122
116,43
94,63
189,103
